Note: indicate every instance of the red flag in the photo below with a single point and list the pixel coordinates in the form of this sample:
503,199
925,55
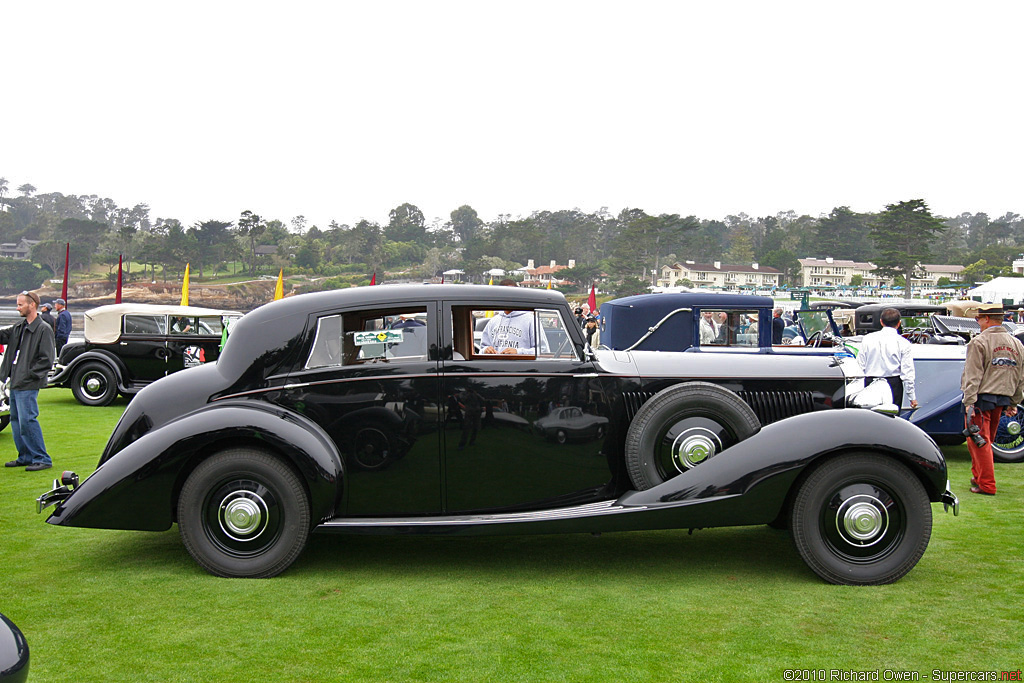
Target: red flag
592,301
117,295
442,278
67,258
373,280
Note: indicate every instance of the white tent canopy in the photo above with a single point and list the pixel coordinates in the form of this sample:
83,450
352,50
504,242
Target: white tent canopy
997,289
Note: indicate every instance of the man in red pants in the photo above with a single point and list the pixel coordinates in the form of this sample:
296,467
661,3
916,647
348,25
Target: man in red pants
993,384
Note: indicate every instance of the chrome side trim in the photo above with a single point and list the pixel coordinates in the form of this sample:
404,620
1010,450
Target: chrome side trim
373,378
577,512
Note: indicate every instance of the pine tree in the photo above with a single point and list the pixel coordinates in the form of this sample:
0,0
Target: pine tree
903,234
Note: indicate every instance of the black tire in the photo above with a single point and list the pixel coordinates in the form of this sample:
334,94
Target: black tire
244,513
94,384
4,421
1008,445
861,519
682,426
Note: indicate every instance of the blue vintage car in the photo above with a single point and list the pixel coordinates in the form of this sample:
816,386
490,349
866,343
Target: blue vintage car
672,322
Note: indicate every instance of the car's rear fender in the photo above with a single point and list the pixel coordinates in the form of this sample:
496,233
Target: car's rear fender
138,487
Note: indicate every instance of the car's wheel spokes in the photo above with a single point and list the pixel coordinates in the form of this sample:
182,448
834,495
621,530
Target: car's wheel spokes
1008,446
242,517
862,522
690,441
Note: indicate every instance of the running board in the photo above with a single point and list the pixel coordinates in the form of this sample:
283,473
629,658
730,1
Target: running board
602,509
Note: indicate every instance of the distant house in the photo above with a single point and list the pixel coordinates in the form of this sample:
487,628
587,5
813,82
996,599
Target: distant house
718,274
21,250
544,275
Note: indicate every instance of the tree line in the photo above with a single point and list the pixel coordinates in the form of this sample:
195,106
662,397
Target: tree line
628,247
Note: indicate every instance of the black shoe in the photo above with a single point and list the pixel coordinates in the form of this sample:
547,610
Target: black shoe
16,463
37,467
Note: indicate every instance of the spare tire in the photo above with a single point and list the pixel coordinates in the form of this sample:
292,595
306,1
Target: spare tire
681,427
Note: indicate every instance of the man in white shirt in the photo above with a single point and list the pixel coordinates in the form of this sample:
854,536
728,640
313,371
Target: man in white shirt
708,329
887,354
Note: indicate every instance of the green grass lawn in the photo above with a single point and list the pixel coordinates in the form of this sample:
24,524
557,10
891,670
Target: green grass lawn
720,605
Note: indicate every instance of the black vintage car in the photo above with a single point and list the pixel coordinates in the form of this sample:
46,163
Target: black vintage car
14,657
377,410
128,346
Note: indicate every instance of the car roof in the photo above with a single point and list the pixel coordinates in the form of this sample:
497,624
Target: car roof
629,318
103,323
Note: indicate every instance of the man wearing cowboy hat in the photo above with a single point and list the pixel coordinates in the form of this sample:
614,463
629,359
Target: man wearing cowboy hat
993,384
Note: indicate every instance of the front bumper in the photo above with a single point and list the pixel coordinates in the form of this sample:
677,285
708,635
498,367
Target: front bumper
61,491
948,498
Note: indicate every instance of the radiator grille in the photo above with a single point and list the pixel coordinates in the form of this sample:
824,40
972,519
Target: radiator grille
769,406
772,406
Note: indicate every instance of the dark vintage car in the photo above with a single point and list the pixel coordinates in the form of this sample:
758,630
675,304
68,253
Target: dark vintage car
13,653
128,346
372,410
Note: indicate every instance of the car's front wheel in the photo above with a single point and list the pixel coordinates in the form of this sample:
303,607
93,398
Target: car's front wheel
683,426
244,513
1008,445
861,519
94,384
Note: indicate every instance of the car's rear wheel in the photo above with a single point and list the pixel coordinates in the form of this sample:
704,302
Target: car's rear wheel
683,426
94,384
861,519
1008,445
244,513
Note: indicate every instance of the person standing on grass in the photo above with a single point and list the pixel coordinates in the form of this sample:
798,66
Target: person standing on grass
887,355
27,364
63,330
993,385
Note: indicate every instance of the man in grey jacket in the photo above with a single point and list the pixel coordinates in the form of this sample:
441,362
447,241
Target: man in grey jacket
27,362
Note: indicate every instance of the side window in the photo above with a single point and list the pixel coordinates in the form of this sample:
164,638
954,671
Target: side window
729,328
183,324
211,326
511,334
380,335
145,324
327,343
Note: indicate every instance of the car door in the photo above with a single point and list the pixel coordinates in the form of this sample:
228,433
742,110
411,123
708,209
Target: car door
370,379
496,455
193,341
143,347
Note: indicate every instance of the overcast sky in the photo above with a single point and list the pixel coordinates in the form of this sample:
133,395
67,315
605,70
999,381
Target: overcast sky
344,110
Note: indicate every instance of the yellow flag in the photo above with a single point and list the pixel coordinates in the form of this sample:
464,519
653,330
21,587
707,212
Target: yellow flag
491,282
184,288
549,282
279,290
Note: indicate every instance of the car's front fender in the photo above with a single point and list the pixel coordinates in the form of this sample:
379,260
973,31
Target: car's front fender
138,487
749,482
62,377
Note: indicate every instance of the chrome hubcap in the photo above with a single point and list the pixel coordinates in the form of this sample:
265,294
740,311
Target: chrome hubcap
1013,427
93,384
243,515
693,446
862,519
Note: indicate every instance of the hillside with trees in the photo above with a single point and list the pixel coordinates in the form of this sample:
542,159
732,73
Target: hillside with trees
626,246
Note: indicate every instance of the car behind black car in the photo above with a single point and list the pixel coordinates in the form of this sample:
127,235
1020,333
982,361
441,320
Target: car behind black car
377,410
128,346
